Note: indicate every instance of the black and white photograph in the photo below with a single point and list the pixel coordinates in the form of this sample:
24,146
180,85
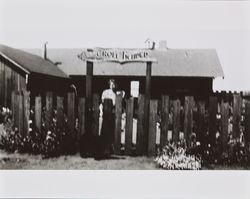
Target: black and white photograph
125,86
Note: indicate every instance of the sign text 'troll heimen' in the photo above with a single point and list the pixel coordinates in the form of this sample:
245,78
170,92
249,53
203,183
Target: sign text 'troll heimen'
117,55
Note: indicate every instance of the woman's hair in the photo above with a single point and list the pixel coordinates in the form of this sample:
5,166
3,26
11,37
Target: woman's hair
112,81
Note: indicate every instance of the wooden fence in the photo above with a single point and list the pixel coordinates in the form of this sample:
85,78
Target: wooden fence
169,118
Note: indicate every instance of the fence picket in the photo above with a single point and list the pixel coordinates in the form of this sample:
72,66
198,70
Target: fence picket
49,110
201,128
141,140
118,117
59,112
164,120
152,127
129,125
176,119
188,118
237,101
38,113
213,105
224,124
26,112
71,113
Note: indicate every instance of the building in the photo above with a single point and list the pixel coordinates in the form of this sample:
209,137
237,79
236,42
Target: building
175,72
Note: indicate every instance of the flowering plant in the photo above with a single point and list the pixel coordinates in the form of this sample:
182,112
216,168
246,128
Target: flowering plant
173,156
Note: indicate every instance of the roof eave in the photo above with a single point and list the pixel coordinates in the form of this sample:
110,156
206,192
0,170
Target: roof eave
14,62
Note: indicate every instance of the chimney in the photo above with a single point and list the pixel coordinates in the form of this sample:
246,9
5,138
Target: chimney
45,50
163,45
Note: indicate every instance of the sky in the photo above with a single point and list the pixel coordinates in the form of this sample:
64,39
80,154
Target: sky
221,25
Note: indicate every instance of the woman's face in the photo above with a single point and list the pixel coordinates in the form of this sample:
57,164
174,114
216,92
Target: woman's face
112,85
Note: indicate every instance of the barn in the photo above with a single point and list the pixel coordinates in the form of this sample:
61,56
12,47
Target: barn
20,70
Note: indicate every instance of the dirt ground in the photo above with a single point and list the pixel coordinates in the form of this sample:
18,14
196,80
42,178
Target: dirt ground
26,161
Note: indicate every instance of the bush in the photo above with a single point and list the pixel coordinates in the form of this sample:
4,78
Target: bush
52,142
174,157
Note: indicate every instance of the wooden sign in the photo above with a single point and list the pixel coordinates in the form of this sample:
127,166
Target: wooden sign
116,55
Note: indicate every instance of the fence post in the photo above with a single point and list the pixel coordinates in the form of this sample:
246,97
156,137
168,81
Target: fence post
152,127
118,117
141,140
237,101
129,125
71,113
176,119
49,110
38,112
213,105
188,118
59,112
96,112
26,111
247,123
164,120
224,123
81,117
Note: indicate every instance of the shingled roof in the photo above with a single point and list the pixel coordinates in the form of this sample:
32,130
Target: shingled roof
170,62
31,63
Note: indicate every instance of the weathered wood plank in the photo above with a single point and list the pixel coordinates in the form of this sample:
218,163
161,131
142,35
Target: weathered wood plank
237,102
95,114
129,125
2,84
164,120
81,117
201,128
71,113
213,106
247,123
152,127
26,112
141,140
188,118
20,113
59,112
49,110
118,117
176,119
224,124
38,113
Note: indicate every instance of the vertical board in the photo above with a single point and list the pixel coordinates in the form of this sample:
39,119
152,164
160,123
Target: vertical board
176,119
8,86
213,105
201,128
81,117
49,110
188,118
95,115
107,133
38,112
152,127
71,113
164,120
237,102
16,109
118,117
20,113
129,125
141,140
26,111
1,84
59,112
88,103
224,124
247,123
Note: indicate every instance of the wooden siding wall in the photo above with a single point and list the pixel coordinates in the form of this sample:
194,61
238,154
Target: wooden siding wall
10,80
